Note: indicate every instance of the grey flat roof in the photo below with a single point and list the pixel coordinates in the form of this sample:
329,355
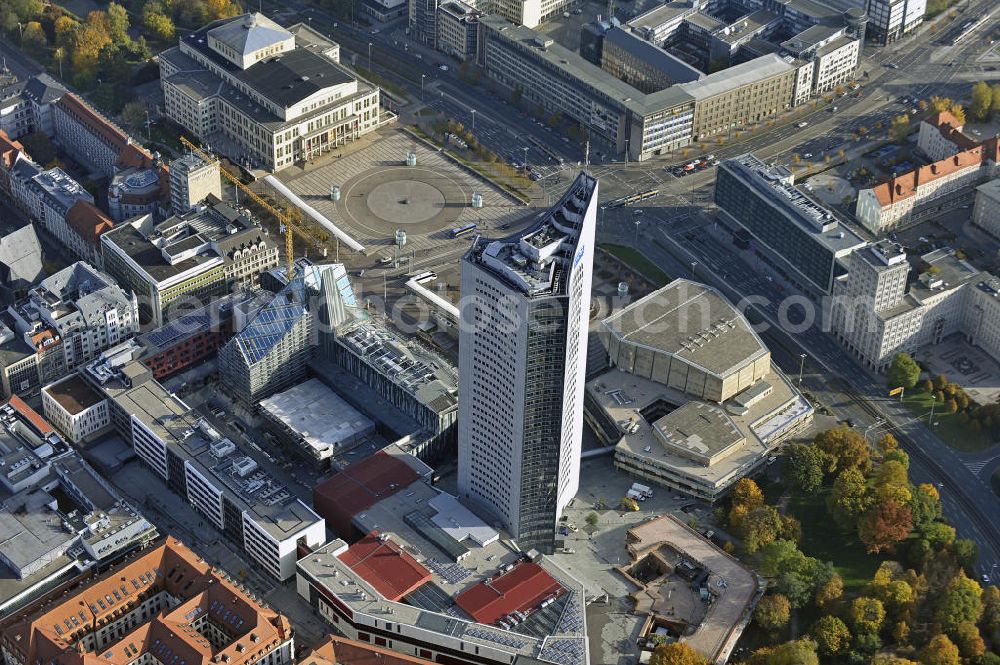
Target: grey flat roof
758,69
676,69
317,414
805,212
690,321
837,43
699,429
990,189
575,66
29,530
661,14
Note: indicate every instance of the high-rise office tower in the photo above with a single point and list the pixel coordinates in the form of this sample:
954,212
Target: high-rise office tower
522,364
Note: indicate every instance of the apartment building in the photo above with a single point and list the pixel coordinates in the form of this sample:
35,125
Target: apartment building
26,105
80,312
48,542
192,180
85,225
890,20
562,81
641,64
266,95
76,409
876,316
272,352
986,211
743,94
132,613
907,196
458,30
940,136
9,150
801,238
179,264
235,490
522,368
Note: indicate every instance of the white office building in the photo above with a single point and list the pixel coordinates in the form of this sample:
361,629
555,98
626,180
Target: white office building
522,365
265,95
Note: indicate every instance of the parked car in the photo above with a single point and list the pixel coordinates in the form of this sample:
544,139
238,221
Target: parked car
802,124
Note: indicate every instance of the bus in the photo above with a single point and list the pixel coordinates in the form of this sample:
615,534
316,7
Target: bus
463,230
425,277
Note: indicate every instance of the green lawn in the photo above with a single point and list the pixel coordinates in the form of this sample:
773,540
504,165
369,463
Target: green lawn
824,540
949,428
637,260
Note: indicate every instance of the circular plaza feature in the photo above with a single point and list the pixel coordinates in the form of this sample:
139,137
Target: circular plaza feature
405,201
421,200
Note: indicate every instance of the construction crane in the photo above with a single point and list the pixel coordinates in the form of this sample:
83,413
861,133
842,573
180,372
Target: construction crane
283,218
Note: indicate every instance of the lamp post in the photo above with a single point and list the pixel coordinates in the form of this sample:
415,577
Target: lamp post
693,274
473,120
422,77
626,152
148,137
525,148
369,57
637,231
802,364
878,423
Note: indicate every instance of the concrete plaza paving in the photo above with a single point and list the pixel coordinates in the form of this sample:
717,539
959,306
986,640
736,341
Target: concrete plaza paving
380,195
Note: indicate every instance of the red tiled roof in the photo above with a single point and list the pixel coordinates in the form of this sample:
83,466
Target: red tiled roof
8,150
521,590
905,185
41,425
384,565
94,121
359,487
342,651
88,221
49,635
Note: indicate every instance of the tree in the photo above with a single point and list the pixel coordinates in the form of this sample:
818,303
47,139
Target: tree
804,467
118,23
34,37
940,651
939,535
899,456
887,443
849,498
890,659
796,652
939,104
773,612
159,26
676,653
746,492
39,147
966,553
899,128
216,9
940,382
592,519
925,505
134,113
831,634
968,640
832,590
990,617
844,448
64,28
91,38
761,526
961,601
867,615
982,100
995,98
903,372
884,524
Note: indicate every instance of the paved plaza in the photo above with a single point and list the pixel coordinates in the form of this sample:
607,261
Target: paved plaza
380,194
966,365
